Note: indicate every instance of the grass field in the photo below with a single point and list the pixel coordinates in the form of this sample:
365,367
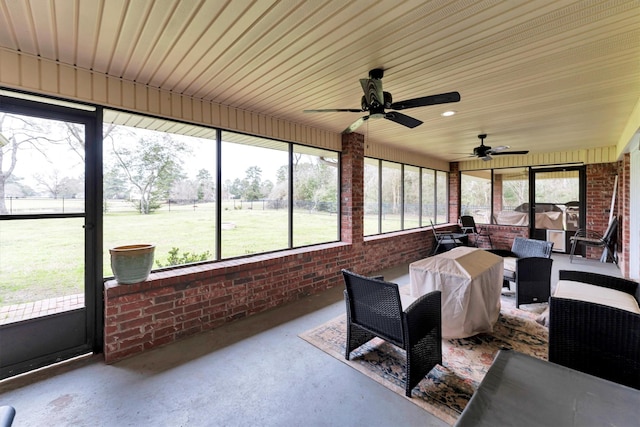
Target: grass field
44,258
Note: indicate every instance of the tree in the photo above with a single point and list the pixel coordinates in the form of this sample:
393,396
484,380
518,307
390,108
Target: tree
115,184
206,186
18,133
253,184
314,184
51,182
236,188
391,189
151,163
515,192
14,187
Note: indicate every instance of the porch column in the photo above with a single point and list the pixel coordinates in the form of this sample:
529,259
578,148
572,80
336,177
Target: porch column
352,188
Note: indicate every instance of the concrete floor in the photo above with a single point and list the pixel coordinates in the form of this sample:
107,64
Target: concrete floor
254,372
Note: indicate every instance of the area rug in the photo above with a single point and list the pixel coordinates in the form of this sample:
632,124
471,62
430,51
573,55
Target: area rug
448,387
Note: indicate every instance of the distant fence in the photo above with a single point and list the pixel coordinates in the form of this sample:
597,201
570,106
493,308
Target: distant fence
50,205
42,205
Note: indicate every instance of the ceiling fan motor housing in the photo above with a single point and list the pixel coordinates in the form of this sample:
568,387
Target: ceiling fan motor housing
481,151
376,73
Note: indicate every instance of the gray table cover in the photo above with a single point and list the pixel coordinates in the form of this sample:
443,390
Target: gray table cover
520,390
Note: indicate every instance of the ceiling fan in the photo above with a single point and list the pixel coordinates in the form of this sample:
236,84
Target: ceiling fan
375,100
485,152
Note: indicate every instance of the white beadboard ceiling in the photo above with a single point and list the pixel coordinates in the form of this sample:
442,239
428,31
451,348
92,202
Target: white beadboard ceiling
543,75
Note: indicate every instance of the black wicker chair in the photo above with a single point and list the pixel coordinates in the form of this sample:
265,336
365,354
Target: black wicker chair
532,273
533,280
597,339
374,310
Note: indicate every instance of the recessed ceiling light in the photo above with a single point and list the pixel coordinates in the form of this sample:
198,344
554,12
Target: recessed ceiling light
448,113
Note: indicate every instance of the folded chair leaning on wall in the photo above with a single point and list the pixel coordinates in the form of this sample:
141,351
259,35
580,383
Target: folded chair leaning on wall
445,239
374,309
606,241
468,226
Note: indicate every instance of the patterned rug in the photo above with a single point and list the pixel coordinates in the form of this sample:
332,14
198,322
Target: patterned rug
447,388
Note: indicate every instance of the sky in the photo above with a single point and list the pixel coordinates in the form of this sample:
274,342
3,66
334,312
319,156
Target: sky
58,158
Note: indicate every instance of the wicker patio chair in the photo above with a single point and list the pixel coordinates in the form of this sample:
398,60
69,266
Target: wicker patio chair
528,264
374,309
533,280
597,339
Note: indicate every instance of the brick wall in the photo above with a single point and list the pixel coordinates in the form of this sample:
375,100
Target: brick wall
454,192
502,235
497,192
600,181
175,304
624,211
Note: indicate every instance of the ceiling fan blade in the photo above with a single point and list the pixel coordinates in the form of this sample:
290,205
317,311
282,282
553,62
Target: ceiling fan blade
486,158
403,119
355,125
443,98
499,148
335,110
510,152
372,89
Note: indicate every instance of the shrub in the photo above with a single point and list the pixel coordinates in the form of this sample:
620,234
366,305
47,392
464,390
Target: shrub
175,258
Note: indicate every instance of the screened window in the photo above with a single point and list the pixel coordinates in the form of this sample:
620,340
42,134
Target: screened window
371,196
401,197
511,201
161,187
442,197
411,192
315,195
391,196
255,199
428,197
475,193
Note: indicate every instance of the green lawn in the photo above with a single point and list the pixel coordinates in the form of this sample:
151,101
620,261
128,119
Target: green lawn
44,258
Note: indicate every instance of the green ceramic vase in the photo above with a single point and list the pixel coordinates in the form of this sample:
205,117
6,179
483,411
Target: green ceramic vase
132,263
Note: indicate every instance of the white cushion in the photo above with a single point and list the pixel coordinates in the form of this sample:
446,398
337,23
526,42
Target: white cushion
596,294
510,263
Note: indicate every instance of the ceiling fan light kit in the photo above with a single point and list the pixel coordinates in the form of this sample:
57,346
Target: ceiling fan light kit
375,101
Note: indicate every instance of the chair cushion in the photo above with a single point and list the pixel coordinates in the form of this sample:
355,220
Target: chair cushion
596,294
510,268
